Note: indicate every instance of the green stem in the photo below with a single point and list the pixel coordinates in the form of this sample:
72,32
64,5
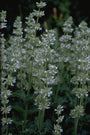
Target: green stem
26,107
76,125
6,125
21,87
25,118
6,130
21,83
39,114
40,118
6,114
0,62
60,73
81,101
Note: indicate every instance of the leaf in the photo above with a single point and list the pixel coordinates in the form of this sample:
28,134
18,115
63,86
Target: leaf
20,94
32,111
18,108
29,98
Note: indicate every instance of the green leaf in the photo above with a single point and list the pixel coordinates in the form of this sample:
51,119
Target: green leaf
20,94
18,108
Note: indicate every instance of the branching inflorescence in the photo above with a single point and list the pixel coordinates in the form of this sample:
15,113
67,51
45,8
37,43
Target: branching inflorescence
6,80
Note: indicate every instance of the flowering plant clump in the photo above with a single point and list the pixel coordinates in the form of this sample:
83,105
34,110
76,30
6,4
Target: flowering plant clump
40,71
5,81
81,70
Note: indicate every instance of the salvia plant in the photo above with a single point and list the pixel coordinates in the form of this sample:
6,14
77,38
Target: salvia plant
81,67
6,80
41,73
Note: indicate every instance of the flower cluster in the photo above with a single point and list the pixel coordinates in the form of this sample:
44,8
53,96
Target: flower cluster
5,79
38,13
44,72
66,42
30,58
41,4
14,51
67,27
77,112
3,19
42,89
74,55
57,127
80,78
80,92
81,74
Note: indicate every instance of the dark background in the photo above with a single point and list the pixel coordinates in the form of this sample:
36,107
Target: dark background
78,9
